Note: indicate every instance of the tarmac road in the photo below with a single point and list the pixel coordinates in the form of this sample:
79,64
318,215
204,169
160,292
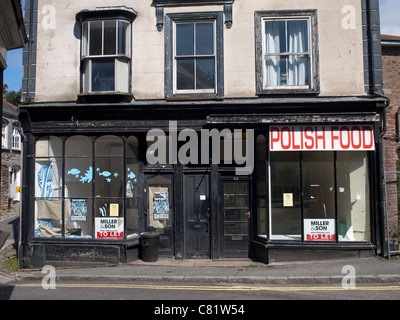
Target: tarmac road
229,294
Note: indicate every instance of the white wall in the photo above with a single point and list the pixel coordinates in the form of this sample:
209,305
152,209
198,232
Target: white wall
58,57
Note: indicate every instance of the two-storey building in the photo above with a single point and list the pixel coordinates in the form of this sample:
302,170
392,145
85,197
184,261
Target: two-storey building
233,128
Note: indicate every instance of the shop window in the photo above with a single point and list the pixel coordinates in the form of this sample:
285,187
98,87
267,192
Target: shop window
91,191
353,196
78,187
108,200
286,43
318,185
195,58
48,187
285,216
306,193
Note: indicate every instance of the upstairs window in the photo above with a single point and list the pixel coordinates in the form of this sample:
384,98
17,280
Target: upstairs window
106,56
106,50
286,43
16,138
4,136
194,58
287,56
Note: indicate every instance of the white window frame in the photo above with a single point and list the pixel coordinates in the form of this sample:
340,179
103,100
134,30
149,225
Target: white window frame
122,62
15,137
287,54
4,136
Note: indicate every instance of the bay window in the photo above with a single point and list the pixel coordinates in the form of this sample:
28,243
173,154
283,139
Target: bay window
106,51
106,56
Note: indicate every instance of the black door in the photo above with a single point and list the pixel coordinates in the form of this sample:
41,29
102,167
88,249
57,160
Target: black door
196,206
236,217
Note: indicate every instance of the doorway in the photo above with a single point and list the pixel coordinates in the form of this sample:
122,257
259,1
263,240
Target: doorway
236,217
197,216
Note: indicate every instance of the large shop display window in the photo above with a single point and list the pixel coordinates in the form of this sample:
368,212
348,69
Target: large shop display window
48,187
331,208
320,194
97,199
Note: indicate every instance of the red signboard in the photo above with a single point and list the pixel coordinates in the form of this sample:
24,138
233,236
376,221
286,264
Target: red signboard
322,138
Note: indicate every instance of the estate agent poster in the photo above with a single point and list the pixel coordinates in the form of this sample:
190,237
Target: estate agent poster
158,206
109,228
161,205
78,209
319,229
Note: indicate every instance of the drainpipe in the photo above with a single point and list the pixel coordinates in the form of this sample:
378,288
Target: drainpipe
396,120
28,90
372,78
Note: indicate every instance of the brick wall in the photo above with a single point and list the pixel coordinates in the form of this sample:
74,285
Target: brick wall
391,79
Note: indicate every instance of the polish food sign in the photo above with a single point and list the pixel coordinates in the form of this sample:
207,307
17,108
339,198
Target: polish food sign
322,138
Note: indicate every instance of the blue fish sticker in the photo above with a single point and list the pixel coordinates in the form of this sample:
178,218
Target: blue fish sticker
105,174
74,172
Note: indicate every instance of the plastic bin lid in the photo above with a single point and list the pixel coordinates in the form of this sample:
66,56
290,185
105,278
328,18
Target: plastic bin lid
149,234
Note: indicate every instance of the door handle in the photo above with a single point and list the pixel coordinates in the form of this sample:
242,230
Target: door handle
248,214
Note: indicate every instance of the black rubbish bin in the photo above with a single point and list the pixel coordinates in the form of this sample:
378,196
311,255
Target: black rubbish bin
149,243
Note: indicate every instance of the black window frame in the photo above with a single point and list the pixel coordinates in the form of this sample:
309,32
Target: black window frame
260,17
171,19
117,15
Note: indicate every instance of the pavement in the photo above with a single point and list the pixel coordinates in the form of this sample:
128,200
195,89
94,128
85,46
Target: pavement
366,270
229,271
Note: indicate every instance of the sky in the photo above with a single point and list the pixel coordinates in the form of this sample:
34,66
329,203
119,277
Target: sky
390,24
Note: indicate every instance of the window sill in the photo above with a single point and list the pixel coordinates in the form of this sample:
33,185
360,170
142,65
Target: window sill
195,96
104,97
288,91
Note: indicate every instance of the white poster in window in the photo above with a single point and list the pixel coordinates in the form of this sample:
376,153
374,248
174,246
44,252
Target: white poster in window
109,228
319,229
288,199
78,209
161,204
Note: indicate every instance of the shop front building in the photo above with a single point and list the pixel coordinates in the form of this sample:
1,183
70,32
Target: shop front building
161,129
269,191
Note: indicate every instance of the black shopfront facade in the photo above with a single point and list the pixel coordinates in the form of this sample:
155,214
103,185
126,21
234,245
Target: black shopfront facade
90,187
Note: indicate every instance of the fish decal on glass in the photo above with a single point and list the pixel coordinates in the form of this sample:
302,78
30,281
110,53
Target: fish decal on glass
88,177
105,174
75,172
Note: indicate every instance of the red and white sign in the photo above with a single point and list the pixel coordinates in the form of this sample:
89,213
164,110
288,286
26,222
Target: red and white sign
322,138
109,228
319,229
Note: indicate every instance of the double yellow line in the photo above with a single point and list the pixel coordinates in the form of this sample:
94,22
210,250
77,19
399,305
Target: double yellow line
212,288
